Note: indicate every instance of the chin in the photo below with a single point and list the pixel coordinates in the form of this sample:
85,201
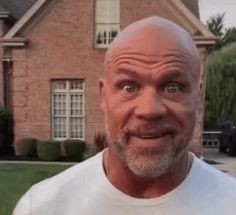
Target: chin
149,164
149,159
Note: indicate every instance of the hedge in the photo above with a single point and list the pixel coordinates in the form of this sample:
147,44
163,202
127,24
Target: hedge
28,147
75,149
48,150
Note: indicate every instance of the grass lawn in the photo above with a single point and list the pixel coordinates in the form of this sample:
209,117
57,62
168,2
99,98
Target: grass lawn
15,179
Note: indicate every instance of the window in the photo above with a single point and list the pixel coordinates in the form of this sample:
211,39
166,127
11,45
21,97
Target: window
68,109
107,22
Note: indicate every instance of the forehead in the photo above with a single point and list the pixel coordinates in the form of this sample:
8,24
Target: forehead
150,41
150,47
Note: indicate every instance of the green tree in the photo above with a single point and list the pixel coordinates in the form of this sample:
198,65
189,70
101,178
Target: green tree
216,25
226,35
221,85
229,36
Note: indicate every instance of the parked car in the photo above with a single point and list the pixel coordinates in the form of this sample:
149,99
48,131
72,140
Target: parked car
227,137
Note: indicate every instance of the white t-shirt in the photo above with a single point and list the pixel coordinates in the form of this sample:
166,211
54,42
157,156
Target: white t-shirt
84,190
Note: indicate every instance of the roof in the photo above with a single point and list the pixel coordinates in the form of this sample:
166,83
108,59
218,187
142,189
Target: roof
16,8
4,14
185,11
193,6
3,10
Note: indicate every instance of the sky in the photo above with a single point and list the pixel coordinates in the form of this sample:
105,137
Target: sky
211,7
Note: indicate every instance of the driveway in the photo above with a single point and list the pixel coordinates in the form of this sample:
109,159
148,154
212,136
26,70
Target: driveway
220,161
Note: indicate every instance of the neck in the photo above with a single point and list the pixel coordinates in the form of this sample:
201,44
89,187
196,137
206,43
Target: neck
140,187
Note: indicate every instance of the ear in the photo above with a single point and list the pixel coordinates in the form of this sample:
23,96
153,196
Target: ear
201,91
102,93
201,87
200,95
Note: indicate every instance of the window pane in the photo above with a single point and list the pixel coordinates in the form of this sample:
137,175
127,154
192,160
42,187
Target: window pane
76,127
76,105
76,85
58,85
108,11
59,104
59,127
67,103
106,33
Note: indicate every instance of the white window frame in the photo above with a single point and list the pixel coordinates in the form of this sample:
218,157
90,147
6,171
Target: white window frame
68,116
106,26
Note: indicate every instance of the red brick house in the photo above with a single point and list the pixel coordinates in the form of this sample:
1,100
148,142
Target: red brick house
52,57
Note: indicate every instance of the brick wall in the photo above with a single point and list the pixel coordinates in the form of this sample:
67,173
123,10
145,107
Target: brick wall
135,10
61,46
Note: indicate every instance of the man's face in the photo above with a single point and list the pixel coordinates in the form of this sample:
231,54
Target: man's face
148,97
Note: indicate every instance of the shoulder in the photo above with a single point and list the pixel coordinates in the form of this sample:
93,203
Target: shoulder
63,187
80,172
212,179
205,184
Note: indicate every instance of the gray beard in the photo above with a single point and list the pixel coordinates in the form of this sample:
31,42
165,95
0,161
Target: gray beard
147,163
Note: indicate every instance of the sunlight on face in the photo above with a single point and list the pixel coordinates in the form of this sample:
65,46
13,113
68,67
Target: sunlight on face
149,100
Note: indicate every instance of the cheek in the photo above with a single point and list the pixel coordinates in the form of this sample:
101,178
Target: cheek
185,115
117,114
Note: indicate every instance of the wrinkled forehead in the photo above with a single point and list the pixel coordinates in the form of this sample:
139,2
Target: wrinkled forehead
152,37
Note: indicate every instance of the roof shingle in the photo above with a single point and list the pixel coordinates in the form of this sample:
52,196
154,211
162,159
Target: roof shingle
193,6
17,8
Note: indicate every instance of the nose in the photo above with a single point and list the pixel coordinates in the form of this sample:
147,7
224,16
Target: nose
150,106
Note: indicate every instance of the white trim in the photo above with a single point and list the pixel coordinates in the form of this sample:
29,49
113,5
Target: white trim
192,18
13,43
84,111
68,109
4,15
205,41
108,21
24,19
68,93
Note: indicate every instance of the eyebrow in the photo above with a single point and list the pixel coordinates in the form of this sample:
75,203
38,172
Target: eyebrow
132,73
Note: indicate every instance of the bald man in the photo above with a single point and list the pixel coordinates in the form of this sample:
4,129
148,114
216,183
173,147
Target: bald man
148,95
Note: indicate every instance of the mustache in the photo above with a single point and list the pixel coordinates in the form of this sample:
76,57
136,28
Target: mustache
152,129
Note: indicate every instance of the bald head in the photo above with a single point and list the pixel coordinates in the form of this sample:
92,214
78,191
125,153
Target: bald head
151,81
154,36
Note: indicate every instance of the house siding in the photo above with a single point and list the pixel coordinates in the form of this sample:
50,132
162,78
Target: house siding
61,46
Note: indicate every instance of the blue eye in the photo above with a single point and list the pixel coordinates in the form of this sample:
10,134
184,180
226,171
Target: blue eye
130,88
173,88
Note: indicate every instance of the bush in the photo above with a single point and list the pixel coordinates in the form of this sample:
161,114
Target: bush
100,141
6,132
28,147
48,150
75,149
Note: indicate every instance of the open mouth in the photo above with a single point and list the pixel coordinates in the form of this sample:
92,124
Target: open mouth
150,141
149,137
156,135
